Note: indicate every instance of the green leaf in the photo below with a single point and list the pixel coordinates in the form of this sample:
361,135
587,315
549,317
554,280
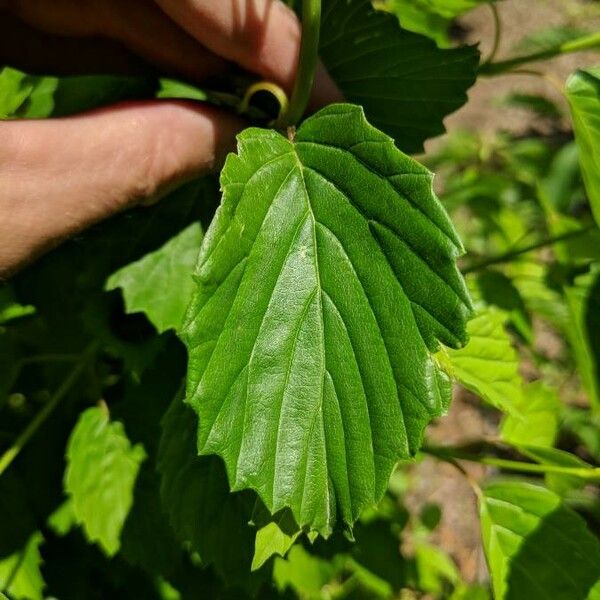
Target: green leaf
583,301
547,39
10,309
583,92
434,568
536,423
584,426
406,84
195,494
539,105
20,575
303,573
160,284
101,472
432,18
535,546
489,365
417,16
14,91
274,538
147,539
324,283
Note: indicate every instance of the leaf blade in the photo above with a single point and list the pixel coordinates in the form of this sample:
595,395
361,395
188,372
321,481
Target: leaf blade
305,289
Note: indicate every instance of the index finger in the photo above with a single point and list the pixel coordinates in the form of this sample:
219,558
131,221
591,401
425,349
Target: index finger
262,36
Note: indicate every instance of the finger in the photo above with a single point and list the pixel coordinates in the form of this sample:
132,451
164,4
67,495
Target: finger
36,51
59,176
262,36
148,32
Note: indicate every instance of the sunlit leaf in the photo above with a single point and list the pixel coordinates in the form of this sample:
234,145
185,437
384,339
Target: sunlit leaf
325,281
536,423
535,546
100,477
489,365
20,575
160,284
583,92
272,539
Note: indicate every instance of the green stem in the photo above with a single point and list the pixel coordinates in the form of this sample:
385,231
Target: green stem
309,56
9,456
589,474
497,32
586,42
508,256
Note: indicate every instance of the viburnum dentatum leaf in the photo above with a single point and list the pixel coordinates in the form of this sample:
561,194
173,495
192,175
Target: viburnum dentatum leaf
323,285
406,84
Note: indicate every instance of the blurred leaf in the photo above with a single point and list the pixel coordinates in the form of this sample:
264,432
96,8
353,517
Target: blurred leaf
62,520
172,88
20,575
496,289
63,96
101,473
539,105
546,39
407,98
531,279
537,421
488,365
583,92
535,546
562,178
435,569
9,307
470,592
584,425
303,573
583,300
559,482
15,88
417,17
160,284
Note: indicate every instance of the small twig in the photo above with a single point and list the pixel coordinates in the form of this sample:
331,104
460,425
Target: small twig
445,457
586,473
9,456
497,32
553,80
508,256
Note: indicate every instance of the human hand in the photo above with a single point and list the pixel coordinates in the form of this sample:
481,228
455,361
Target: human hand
59,176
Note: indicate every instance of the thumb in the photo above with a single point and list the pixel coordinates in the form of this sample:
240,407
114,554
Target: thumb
60,176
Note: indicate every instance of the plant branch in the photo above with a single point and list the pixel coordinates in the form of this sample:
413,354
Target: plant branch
508,256
497,33
309,56
9,456
588,474
586,42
